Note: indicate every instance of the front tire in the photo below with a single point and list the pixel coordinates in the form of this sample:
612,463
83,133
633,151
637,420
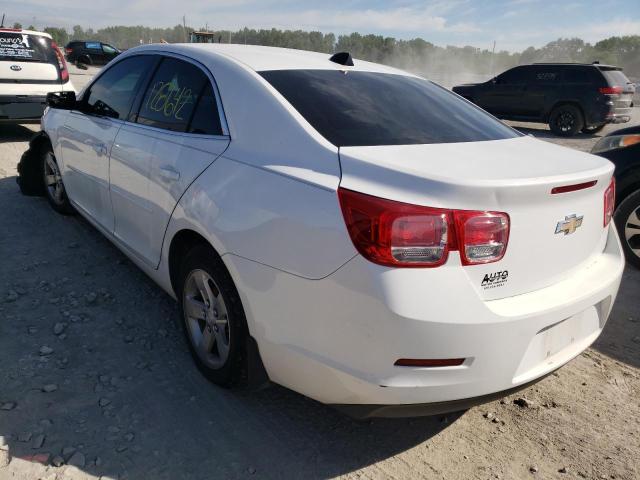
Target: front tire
212,316
627,220
566,120
53,186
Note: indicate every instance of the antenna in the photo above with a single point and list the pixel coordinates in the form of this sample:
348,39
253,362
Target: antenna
2,24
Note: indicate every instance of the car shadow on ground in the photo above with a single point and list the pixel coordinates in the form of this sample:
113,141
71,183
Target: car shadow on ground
15,133
119,386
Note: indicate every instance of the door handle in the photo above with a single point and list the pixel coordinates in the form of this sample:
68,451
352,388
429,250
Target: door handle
169,174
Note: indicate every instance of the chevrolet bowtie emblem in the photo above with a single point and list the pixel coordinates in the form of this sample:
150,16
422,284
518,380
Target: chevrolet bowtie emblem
569,225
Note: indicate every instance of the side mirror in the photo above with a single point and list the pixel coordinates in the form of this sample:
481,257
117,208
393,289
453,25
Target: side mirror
62,100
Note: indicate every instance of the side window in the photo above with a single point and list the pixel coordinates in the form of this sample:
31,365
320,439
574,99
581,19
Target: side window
206,119
576,75
92,45
177,91
546,75
514,76
108,49
113,93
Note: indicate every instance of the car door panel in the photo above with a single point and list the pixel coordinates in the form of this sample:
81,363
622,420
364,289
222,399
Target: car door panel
86,141
155,160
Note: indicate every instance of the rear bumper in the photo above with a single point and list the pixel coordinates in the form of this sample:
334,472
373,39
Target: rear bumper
22,108
336,340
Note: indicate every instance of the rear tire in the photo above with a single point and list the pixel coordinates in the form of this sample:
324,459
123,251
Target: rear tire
213,319
566,120
593,129
627,220
52,181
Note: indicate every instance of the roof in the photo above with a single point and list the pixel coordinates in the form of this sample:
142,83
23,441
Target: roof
260,58
25,32
570,64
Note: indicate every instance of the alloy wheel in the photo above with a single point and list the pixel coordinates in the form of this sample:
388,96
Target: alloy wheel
53,179
206,318
632,231
566,121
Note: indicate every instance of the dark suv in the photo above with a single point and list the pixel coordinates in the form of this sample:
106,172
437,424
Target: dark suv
90,53
569,97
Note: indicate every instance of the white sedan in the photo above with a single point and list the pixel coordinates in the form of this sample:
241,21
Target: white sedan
345,229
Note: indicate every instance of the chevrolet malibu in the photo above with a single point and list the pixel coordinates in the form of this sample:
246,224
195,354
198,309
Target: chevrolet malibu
348,230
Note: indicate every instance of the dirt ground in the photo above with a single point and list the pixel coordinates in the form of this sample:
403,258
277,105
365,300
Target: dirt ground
96,382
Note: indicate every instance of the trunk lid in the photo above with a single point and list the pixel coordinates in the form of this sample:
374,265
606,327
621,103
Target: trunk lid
515,176
27,58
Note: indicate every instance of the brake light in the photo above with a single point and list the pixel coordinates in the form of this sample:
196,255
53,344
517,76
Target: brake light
399,234
62,64
68,51
609,201
482,236
610,90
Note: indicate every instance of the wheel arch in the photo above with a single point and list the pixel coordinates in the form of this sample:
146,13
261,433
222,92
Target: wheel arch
627,182
181,243
560,103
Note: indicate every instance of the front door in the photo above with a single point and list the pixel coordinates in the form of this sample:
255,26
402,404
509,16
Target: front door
88,135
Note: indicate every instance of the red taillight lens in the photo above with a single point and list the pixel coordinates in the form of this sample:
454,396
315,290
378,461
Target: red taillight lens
610,90
68,51
482,236
394,233
62,64
609,201
399,234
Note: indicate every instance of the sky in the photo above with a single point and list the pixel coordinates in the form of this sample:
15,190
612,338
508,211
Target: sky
512,24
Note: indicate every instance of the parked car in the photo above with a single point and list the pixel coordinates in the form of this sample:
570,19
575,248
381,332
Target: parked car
31,66
622,147
345,229
90,53
569,97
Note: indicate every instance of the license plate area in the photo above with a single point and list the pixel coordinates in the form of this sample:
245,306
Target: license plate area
558,343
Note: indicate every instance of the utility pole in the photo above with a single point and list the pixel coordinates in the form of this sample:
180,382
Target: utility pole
184,28
493,53
2,24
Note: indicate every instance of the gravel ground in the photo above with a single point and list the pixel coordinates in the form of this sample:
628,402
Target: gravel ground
96,382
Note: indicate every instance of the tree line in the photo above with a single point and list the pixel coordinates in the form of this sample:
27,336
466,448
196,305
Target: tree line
417,55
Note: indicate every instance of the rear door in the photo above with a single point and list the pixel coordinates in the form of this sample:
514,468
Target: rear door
543,87
178,133
27,59
87,137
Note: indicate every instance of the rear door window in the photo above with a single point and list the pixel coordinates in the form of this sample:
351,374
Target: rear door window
20,47
366,108
172,96
93,46
548,76
113,93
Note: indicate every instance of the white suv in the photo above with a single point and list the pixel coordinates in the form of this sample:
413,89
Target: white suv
371,239
31,66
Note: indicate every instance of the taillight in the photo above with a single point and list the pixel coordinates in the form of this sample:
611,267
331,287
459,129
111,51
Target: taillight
482,236
609,201
400,234
62,64
610,90
68,51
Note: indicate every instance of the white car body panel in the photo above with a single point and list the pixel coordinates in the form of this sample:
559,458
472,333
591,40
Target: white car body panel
150,170
329,323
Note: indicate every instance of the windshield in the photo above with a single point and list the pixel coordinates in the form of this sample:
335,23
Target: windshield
21,47
366,108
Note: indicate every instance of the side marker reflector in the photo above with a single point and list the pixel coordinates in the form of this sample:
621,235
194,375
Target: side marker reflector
429,362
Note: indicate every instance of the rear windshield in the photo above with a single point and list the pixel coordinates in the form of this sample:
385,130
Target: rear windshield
17,46
615,78
365,108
